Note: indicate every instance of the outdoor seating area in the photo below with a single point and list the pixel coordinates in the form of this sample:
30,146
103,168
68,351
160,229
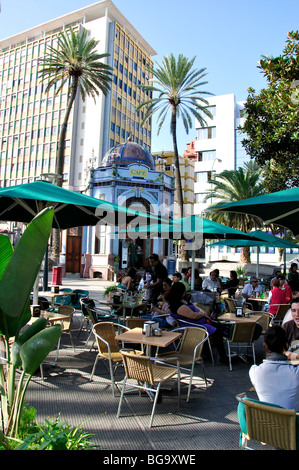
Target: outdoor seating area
196,401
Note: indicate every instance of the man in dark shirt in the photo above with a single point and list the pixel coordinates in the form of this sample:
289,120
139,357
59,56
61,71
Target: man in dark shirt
159,275
292,327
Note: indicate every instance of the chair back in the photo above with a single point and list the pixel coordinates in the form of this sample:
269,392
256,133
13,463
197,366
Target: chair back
192,337
92,315
75,300
271,425
132,322
264,320
231,305
86,302
66,310
243,332
106,330
281,311
65,300
138,367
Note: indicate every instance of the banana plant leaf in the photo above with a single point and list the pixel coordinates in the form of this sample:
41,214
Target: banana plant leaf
19,275
6,250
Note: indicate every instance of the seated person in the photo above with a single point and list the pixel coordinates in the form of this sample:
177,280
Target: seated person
212,282
285,286
197,280
177,277
184,310
278,296
276,274
232,284
276,380
251,288
184,274
288,315
128,279
291,327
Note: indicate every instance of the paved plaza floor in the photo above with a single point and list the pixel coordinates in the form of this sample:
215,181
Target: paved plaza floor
208,422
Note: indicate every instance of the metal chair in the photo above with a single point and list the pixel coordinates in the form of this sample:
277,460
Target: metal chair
66,324
188,352
134,322
184,323
149,373
242,336
75,300
266,423
232,305
281,311
264,321
65,300
108,347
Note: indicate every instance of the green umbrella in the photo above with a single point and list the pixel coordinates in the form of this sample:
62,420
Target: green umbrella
267,239
194,228
280,208
22,202
187,228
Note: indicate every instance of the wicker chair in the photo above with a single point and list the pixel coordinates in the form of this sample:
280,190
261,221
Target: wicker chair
66,324
264,321
266,423
108,347
233,303
281,311
242,336
134,322
189,352
149,375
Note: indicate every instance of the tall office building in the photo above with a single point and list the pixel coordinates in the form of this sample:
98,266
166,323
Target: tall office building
217,146
30,119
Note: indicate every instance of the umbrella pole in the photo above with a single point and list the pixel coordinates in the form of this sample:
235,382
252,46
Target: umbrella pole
45,275
257,261
192,270
35,291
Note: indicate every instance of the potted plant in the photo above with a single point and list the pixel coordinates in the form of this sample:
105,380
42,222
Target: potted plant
110,291
241,273
25,351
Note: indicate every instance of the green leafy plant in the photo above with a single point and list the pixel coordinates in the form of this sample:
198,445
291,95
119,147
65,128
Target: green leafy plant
110,289
53,435
57,435
241,271
25,348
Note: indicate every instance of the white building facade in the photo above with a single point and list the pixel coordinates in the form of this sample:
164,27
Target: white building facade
218,145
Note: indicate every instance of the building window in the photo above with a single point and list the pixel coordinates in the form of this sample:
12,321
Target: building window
206,156
206,133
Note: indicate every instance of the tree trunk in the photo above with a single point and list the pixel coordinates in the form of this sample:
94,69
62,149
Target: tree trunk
60,162
245,255
178,180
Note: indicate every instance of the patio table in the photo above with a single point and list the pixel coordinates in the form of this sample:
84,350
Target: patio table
136,336
231,317
51,316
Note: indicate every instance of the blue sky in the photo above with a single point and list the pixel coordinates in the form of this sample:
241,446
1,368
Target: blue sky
228,37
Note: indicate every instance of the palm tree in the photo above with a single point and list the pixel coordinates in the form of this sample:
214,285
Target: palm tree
177,87
75,62
234,185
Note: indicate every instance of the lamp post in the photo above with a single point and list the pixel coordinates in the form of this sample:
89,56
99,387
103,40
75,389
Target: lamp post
220,161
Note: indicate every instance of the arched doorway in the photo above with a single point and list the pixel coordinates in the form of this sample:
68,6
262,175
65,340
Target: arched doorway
144,246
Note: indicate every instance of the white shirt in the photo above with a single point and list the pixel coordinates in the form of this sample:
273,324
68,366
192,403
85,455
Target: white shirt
248,289
276,382
210,284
